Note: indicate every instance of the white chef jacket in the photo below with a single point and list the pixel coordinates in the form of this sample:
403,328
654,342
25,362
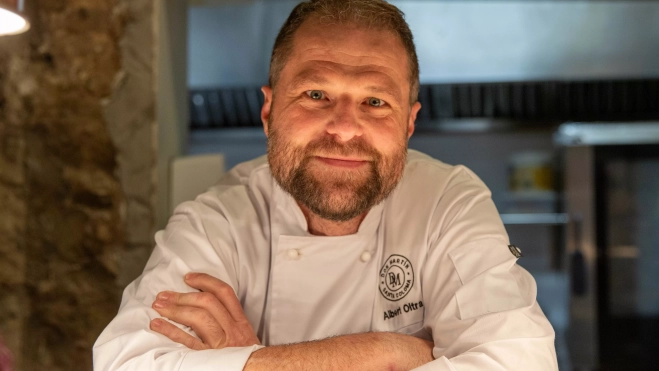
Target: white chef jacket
432,260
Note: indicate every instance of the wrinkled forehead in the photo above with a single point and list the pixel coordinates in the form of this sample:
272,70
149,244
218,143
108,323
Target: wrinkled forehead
350,44
321,52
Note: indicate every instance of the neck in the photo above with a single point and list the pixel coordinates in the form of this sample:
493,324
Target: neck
323,227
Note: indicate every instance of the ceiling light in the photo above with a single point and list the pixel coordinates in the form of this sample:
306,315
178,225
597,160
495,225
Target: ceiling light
12,20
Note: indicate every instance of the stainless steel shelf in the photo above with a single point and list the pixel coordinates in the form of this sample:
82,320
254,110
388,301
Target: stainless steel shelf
535,218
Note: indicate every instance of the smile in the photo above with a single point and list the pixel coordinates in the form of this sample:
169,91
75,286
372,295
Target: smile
344,163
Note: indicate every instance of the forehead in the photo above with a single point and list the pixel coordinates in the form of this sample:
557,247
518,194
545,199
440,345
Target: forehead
349,48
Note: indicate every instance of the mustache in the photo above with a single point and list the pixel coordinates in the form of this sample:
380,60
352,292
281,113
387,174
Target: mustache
355,147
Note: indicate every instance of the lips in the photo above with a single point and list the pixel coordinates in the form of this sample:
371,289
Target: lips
345,163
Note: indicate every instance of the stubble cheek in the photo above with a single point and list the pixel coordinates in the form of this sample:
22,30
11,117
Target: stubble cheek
392,167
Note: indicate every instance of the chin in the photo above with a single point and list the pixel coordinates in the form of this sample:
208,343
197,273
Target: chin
342,204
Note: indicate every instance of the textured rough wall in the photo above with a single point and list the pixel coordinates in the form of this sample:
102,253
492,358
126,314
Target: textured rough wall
13,299
76,174
130,113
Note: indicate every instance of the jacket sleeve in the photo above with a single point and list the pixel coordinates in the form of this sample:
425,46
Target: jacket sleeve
482,309
185,245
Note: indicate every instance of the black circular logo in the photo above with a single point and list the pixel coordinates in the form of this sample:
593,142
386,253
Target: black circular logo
396,277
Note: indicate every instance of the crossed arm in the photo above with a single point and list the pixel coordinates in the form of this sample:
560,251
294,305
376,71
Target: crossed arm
217,318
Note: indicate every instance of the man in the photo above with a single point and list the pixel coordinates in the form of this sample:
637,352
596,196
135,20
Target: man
341,250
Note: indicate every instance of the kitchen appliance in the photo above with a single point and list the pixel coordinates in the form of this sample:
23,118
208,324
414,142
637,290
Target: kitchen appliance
612,202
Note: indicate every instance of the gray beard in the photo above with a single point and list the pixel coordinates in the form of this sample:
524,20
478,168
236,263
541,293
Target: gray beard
344,196
349,200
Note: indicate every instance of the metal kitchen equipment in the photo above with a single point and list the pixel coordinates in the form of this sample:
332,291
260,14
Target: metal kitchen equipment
612,201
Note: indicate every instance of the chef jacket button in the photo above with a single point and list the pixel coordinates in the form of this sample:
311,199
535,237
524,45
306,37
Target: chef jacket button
294,254
366,256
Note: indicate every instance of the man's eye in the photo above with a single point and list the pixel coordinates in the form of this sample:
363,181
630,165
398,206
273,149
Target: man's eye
375,102
316,94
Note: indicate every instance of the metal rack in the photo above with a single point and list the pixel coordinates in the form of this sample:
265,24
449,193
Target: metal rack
534,102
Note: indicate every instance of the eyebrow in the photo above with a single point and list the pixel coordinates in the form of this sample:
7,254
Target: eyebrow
308,78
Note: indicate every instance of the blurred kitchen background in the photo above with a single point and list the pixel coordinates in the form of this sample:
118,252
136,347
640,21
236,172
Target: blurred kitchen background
109,108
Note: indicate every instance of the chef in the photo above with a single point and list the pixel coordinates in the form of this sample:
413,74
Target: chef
342,249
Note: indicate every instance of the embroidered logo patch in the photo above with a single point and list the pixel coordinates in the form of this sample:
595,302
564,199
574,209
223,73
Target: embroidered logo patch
396,277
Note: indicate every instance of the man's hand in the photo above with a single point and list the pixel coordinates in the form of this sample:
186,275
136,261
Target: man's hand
214,314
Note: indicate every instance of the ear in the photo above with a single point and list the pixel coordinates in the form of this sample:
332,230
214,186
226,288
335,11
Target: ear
267,107
413,112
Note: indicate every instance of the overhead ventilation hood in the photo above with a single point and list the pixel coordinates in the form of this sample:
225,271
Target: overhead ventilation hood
457,41
542,61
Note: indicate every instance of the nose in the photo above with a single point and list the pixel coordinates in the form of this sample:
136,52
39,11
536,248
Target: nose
345,123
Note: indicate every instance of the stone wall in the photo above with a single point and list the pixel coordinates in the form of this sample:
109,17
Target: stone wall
13,297
77,162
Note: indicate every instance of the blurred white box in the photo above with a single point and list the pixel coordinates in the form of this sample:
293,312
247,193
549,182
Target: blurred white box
193,175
